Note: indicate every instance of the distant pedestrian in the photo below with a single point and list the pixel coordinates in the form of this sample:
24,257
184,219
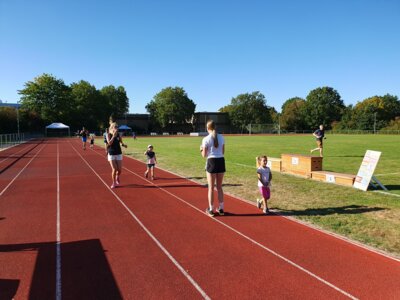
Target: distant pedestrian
114,141
264,182
91,140
151,161
105,135
319,135
84,133
213,148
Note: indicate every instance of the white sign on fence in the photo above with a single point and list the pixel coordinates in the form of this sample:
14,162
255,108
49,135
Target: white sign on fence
367,169
295,160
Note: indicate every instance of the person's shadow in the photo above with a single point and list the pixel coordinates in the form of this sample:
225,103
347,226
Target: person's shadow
342,210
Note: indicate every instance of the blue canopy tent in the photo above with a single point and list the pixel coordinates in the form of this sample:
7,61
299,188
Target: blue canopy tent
124,127
125,130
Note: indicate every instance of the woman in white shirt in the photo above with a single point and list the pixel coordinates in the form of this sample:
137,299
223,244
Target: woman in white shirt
213,148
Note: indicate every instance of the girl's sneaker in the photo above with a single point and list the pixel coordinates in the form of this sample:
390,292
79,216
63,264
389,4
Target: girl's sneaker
117,181
113,186
266,211
259,202
220,211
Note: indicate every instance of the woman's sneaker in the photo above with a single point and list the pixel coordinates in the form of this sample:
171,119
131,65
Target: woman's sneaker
266,211
220,211
209,212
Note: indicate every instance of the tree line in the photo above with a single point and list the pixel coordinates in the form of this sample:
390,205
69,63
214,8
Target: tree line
47,99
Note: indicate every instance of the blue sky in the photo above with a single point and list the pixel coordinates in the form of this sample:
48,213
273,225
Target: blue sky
215,50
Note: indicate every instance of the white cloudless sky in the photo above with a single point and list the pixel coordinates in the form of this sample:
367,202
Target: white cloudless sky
215,50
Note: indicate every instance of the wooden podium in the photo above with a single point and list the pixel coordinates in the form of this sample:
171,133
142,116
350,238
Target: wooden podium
274,164
333,177
301,165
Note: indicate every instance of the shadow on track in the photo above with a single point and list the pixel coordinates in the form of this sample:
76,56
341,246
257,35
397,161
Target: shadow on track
85,271
8,288
164,186
21,156
343,210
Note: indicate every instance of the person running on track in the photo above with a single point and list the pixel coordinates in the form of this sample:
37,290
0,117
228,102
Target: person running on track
84,133
213,148
114,142
264,181
319,136
151,161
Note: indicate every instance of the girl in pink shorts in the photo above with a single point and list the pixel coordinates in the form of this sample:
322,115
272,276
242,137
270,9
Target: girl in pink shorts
264,181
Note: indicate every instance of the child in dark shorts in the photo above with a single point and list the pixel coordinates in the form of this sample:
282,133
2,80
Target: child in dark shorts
151,161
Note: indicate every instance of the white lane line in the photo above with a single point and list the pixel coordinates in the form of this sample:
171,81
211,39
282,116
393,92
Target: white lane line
386,174
158,243
386,193
58,238
253,241
19,173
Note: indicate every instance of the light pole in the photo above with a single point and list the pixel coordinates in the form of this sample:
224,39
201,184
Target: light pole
18,119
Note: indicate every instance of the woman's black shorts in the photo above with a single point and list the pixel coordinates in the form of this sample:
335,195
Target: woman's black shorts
215,165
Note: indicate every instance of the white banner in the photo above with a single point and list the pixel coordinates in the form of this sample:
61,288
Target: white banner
367,169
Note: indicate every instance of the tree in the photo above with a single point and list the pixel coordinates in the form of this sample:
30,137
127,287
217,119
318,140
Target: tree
375,112
118,101
323,106
91,108
171,106
292,116
393,125
248,109
8,120
49,97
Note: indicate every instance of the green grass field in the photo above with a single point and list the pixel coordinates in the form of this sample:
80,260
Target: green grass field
369,217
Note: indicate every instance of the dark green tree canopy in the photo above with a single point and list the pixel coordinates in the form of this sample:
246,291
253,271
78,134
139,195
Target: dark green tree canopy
49,97
171,106
323,106
248,109
375,112
116,99
292,116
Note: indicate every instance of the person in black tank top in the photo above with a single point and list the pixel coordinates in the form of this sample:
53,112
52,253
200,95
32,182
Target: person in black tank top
83,133
114,142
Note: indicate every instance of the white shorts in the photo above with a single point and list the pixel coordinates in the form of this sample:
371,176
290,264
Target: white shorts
114,157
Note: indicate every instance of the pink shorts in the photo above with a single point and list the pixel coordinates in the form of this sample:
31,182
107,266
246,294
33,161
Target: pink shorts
265,192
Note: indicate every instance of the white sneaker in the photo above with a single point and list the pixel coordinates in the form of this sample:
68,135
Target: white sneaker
259,201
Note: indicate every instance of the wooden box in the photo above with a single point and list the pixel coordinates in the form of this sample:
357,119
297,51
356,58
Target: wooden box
301,165
274,164
332,177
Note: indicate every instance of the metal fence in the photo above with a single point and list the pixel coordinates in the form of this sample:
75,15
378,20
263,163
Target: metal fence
11,139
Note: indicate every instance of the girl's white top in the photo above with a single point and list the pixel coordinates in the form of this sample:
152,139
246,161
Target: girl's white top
208,142
265,175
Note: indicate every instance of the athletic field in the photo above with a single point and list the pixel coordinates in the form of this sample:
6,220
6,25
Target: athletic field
368,217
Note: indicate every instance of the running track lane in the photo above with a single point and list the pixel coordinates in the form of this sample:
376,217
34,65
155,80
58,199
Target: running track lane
225,263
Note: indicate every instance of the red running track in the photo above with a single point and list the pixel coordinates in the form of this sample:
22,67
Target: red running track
64,234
